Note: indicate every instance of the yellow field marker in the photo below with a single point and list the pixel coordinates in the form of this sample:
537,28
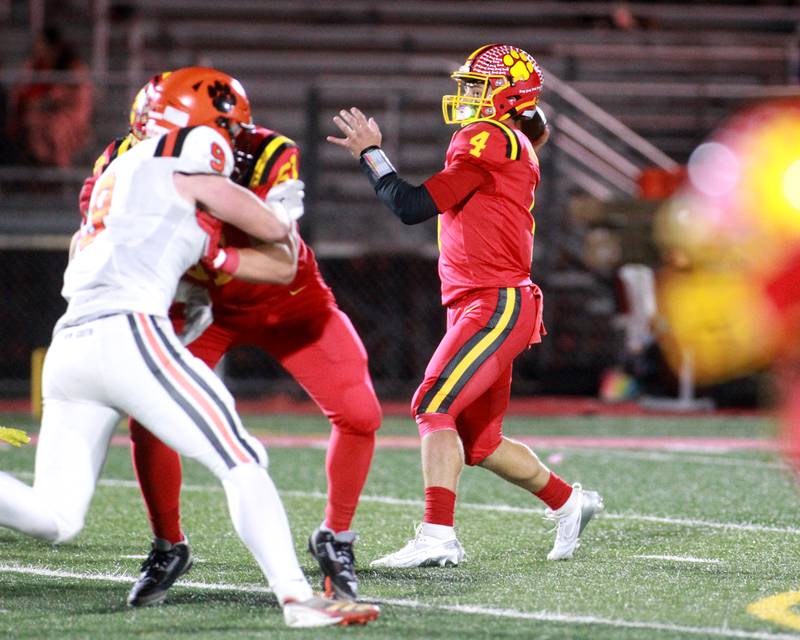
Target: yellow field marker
778,609
14,437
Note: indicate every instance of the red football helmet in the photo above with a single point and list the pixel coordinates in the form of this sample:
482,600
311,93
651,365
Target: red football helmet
140,108
198,95
497,81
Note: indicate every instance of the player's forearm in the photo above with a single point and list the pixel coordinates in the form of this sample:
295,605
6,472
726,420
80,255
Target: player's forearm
235,205
239,207
274,263
409,203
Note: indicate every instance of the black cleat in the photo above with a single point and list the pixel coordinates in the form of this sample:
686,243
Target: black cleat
334,552
160,570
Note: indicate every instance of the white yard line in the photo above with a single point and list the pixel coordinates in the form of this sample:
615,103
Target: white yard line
673,457
142,556
122,577
496,508
689,559
541,616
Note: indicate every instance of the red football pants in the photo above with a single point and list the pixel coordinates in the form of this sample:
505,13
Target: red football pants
467,384
327,358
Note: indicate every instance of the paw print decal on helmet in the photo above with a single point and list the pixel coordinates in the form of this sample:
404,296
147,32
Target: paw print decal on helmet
497,81
222,97
520,67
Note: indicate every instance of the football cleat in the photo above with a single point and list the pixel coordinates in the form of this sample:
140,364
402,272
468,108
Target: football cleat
334,552
571,519
322,612
165,564
424,551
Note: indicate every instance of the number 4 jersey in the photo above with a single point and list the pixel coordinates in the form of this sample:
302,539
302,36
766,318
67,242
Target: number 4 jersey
485,238
140,235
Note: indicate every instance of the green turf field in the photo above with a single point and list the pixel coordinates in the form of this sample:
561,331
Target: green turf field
688,541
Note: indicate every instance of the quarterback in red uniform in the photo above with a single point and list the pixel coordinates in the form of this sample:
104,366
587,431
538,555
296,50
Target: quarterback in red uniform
301,326
484,201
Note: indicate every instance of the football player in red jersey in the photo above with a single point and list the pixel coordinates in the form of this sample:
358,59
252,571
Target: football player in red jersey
114,351
300,325
484,200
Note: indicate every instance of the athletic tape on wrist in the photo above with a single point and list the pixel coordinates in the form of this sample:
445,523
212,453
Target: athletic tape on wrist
227,260
376,164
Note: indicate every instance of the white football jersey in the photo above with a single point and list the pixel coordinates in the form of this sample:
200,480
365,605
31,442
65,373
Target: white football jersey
140,236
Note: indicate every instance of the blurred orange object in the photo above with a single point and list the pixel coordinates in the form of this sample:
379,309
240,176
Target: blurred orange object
656,183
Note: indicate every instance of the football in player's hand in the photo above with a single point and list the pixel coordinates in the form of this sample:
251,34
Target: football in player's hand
535,127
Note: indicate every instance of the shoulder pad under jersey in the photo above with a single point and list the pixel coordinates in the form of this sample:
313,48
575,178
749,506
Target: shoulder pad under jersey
270,149
486,140
200,149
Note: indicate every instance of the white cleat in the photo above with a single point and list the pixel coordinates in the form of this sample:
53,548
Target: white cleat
424,551
571,520
322,612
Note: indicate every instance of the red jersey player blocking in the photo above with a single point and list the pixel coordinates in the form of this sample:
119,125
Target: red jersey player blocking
484,199
301,326
115,352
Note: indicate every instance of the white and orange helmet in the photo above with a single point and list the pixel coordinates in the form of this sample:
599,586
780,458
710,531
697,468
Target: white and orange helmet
198,95
510,81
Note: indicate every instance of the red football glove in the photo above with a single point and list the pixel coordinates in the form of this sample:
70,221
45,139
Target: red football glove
216,258
86,195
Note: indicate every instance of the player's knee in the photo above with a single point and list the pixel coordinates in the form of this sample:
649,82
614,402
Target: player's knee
68,526
360,412
262,458
139,434
475,454
428,423
259,455
361,419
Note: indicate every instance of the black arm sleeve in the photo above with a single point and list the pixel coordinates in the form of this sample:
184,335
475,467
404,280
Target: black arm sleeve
409,203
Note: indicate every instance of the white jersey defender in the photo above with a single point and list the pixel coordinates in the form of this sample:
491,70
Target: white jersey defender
114,352
140,235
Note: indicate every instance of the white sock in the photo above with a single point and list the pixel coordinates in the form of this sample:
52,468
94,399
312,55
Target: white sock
439,531
259,519
21,508
573,502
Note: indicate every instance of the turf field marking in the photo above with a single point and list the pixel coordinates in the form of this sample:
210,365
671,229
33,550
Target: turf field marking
662,443
541,616
499,508
122,577
142,556
778,609
675,457
690,559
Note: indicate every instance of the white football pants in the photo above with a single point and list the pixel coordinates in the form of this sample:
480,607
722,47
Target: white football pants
133,364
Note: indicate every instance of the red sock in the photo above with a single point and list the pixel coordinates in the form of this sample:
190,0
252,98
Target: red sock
347,466
555,493
440,506
158,469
